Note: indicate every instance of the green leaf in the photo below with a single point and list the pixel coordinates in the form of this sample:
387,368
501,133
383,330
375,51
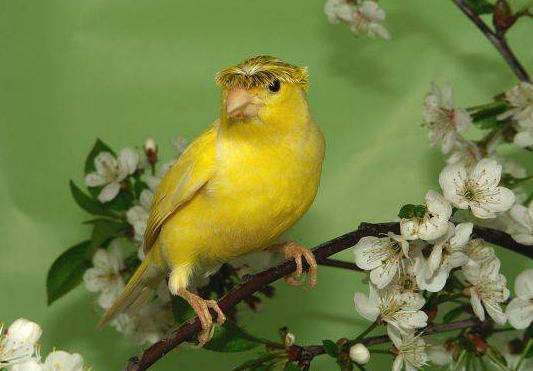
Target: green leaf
454,313
331,348
255,364
67,271
230,338
138,187
291,367
98,147
86,202
181,310
487,123
409,211
480,6
104,230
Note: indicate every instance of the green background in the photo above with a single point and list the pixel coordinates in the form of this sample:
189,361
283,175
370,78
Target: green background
123,70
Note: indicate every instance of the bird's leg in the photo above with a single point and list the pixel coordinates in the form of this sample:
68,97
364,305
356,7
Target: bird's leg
201,307
292,250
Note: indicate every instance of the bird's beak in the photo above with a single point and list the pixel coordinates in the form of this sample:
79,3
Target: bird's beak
241,103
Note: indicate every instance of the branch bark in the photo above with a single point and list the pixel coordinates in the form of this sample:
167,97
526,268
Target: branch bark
189,329
497,39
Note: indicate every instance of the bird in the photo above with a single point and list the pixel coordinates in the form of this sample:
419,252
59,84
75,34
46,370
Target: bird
242,183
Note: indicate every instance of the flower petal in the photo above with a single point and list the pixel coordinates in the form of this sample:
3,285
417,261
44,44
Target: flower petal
95,180
364,251
520,313
477,307
109,192
523,286
365,307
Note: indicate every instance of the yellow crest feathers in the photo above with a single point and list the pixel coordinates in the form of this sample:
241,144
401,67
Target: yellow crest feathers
261,71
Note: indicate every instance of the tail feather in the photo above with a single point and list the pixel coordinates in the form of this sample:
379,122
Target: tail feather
136,292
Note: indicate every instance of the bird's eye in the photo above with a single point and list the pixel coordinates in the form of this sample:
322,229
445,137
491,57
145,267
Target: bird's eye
274,86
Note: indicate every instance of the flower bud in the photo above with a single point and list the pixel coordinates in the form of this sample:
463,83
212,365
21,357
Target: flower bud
24,331
289,339
359,354
503,17
150,149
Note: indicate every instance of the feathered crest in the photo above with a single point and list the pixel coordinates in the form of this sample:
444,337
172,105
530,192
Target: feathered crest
261,71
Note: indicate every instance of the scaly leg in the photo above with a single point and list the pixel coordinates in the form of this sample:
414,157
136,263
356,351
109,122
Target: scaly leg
292,250
201,307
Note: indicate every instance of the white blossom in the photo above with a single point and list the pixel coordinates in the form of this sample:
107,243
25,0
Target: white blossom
488,289
391,308
105,276
439,355
476,189
362,16
465,152
19,344
405,283
31,365
359,354
180,144
410,350
434,222
60,360
146,326
445,122
479,252
520,98
520,309
111,171
382,257
447,253
138,215
523,216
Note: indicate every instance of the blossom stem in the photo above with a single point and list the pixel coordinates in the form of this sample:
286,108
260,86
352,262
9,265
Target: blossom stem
497,39
364,333
380,351
360,367
524,353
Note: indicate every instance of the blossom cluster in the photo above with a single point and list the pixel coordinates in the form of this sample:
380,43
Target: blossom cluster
364,17
435,254
20,351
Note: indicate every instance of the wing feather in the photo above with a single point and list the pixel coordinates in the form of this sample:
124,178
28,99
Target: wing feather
181,183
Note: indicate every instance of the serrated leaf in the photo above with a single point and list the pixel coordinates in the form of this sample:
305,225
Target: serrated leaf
481,6
453,314
98,147
67,271
86,202
330,348
230,338
104,230
181,310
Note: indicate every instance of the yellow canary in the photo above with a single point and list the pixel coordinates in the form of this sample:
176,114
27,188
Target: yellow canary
241,184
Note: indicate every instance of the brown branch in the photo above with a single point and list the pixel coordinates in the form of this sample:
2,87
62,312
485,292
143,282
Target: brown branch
338,264
189,329
497,39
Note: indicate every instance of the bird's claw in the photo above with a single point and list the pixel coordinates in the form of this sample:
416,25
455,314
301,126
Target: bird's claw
295,251
201,307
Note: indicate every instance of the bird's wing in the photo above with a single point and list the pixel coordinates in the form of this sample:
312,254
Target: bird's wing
181,183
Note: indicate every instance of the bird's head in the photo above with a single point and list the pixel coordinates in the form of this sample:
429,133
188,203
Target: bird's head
264,89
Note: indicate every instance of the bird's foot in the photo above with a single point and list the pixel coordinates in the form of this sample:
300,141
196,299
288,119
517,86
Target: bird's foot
292,250
201,307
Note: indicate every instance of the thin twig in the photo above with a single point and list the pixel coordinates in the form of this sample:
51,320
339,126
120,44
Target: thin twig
497,39
432,329
338,264
189,329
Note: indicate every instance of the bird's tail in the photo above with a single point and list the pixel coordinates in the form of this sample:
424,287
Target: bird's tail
137,291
